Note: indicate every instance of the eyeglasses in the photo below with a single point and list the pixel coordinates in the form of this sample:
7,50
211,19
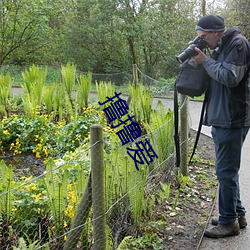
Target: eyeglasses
203,36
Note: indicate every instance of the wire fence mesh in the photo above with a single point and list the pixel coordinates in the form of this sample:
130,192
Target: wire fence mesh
54,210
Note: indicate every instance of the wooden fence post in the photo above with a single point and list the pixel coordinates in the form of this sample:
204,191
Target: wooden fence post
98,195
135,74
135,81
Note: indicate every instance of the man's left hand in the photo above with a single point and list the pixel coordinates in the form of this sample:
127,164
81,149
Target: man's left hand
200,58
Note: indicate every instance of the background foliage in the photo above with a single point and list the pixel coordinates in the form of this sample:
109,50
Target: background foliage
107,35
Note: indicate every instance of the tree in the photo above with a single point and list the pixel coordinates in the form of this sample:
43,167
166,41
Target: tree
21,21
237,12
95,40
101,36
108,36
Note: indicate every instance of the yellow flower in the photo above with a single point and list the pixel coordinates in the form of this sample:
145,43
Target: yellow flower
73,199
45,151
31,187
17,152
69,211
12,145
38,155
37,196
6,132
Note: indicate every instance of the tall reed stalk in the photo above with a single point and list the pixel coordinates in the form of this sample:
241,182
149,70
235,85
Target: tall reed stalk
33,85
68,74
62,106
5,90
162,126
83,91
141,105
6,184
105,89
48,97
122,179
56,184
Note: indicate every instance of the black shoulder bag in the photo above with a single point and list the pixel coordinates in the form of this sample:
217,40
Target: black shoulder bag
191,81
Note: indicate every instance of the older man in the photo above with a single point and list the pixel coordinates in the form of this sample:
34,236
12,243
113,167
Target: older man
228,112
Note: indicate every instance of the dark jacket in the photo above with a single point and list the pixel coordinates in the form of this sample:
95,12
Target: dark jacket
228,103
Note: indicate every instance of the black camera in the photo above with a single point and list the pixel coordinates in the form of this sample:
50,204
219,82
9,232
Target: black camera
190,51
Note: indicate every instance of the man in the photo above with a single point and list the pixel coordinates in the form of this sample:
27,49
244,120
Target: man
228,112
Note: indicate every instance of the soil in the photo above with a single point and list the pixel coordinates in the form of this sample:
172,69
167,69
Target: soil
187,222
25,164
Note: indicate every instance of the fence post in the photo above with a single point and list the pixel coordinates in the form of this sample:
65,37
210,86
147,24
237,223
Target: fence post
98,195
135,81
135,74
184,135
80,218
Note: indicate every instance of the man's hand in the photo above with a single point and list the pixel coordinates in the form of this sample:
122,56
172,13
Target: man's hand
200,58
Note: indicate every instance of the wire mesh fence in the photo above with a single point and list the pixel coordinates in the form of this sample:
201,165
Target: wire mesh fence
60,208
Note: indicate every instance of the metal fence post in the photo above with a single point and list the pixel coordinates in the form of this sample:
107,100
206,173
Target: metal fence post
98,195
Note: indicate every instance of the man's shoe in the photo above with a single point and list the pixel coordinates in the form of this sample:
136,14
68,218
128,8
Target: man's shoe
241,219
221,231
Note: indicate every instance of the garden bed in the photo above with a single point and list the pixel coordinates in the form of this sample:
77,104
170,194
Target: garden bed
177,222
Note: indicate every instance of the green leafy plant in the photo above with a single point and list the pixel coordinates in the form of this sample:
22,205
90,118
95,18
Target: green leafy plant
45,138
6,184
33,85
5,90
162,123
48,98
123,180
147,241
30,208
141,105
23,245
105,89
62,185
165,190
184,181
68,74
6,204
176,199
83,91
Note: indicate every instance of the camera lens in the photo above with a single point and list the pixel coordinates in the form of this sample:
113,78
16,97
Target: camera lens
187,53
190,51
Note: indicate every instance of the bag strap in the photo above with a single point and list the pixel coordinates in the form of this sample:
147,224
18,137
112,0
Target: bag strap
199,127
176,126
